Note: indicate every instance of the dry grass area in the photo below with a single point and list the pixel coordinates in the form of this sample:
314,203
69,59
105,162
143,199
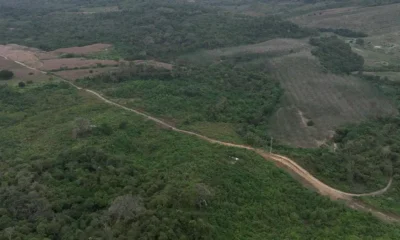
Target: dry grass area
22,54
372,20
279,46
94,10
68,68
20,73
315,103
85,50
36,58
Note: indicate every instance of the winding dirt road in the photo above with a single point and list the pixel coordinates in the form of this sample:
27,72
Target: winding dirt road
282,161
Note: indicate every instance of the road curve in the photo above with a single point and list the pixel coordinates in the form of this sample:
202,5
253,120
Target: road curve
280,160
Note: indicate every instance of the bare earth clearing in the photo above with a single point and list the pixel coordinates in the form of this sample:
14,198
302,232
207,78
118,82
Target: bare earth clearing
51,60
281,161
20,73
69,68
327,100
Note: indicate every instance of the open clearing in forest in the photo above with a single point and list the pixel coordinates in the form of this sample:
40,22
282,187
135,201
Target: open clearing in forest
21,74
52,61
274,47
85,50
372,20
68,68
316,103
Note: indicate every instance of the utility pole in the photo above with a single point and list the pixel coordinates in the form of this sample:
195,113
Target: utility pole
270,145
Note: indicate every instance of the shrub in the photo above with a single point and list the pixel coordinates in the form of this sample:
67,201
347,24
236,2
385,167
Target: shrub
6,74
123,125
336,55
106,129
360,41
21,84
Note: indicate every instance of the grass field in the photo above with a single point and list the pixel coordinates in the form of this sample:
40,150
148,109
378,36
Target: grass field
275,47
372,20
21,74
315,103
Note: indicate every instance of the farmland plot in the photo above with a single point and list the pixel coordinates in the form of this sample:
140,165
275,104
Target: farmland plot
372,20
315,103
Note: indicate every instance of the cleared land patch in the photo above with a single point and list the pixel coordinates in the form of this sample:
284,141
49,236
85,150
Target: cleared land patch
327,100
89,49
373,20
279,46
20,73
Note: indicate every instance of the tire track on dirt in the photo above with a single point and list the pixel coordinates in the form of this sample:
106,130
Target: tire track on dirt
281,161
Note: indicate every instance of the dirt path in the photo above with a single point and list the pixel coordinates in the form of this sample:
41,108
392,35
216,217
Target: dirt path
282,161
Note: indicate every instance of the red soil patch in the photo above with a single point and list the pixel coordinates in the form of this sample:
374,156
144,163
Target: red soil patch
81,73
94,48
71,63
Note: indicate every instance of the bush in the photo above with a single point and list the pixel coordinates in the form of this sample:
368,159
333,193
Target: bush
344,32
106,129
6,74
21,84
123,125
336,55
360,41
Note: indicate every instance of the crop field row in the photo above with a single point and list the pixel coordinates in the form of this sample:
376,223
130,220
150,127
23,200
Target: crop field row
325,100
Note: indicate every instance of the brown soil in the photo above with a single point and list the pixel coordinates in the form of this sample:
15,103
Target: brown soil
21,73
20,54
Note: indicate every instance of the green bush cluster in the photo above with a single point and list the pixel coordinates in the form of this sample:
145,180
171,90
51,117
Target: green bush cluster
336,55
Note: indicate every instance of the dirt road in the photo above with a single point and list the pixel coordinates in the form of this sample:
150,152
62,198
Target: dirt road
282,161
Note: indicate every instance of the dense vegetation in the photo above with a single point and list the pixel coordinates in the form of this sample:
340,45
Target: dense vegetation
74,168
228,92
6,75
124,178
336,55
149,30
344,32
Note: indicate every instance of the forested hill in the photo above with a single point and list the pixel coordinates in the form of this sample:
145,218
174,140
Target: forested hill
149,30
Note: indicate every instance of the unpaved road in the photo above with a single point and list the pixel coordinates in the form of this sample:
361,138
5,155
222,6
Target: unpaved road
282,161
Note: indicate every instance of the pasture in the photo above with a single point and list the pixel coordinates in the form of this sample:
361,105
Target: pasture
316,103
372,20
21,74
